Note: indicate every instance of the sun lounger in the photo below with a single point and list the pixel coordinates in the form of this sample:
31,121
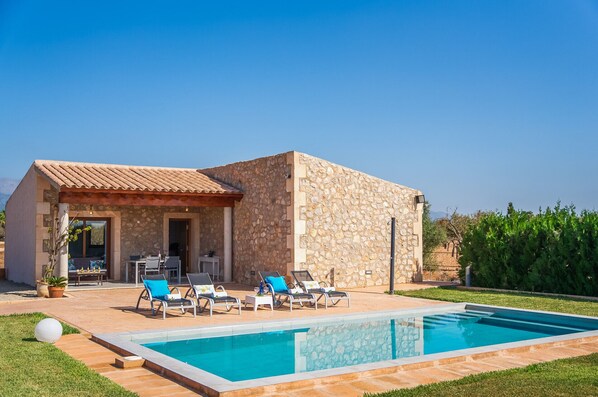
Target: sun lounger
156,290
308,284
281,292
202,288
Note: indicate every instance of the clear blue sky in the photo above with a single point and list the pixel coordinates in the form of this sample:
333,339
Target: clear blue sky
477,103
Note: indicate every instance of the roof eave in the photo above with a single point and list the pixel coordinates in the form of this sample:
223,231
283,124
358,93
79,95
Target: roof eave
41,173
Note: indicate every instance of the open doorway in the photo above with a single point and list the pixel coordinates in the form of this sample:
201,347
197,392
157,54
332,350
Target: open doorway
178,241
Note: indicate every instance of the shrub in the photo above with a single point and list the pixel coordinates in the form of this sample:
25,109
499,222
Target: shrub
553,251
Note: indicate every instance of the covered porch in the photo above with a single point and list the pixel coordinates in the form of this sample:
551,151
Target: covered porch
129,213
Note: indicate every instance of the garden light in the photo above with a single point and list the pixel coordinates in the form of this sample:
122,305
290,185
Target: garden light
48,330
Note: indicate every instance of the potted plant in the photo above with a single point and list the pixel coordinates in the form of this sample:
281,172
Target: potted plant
56,286
57,242
42,288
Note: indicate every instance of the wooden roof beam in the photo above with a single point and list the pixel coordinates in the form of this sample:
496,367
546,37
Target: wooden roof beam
147,199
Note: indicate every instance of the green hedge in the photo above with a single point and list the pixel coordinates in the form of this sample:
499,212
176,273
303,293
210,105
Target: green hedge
552,251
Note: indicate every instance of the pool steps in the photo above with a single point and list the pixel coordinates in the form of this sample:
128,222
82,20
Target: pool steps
442,320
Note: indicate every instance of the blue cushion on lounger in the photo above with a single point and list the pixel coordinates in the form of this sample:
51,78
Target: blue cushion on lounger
278,284
158,288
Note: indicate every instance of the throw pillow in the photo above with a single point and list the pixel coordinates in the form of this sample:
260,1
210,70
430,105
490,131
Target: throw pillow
204,289
158,288
311,285
278,284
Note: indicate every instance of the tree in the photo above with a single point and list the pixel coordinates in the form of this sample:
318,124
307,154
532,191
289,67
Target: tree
433,236
60,240
455,226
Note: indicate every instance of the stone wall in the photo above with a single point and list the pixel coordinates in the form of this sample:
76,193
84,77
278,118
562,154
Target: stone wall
260,221
347,231
211,238
141,230
301,212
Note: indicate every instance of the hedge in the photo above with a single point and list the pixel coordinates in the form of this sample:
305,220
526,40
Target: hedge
553,251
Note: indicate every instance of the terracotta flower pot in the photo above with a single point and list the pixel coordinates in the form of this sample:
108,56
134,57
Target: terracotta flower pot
56,292
42,289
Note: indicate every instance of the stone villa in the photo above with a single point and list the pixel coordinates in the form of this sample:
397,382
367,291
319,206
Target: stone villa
284,212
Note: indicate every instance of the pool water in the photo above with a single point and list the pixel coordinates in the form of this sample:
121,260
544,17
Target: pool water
333,345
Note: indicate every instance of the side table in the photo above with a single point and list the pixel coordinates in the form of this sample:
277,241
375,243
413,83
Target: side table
259,300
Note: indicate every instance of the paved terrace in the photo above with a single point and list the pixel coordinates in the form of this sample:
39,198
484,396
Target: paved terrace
112,311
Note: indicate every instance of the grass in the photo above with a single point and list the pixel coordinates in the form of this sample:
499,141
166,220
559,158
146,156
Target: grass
32,368
518,300
567,377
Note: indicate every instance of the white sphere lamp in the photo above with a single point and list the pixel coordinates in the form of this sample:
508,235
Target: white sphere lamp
48,330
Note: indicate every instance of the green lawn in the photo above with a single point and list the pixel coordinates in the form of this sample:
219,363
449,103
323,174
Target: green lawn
519,300
32,368
568,377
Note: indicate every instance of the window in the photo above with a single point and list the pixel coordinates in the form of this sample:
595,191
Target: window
92,244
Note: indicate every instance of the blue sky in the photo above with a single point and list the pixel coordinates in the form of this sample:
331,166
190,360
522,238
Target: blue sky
477,103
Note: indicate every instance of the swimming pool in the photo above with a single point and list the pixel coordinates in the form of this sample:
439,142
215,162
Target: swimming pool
226,358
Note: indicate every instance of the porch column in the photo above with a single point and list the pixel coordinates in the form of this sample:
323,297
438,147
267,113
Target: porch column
63,226
228,244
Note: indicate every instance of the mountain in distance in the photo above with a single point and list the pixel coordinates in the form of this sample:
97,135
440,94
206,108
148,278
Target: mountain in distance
7,186
435,215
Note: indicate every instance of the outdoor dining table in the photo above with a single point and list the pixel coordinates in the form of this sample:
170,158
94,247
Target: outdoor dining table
141,263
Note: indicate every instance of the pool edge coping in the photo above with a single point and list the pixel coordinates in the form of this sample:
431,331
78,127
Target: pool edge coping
214,385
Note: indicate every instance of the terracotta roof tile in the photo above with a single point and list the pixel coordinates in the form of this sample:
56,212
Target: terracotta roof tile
91,176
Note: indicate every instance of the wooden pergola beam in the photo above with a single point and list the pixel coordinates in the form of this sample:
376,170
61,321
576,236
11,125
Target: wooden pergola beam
159,199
